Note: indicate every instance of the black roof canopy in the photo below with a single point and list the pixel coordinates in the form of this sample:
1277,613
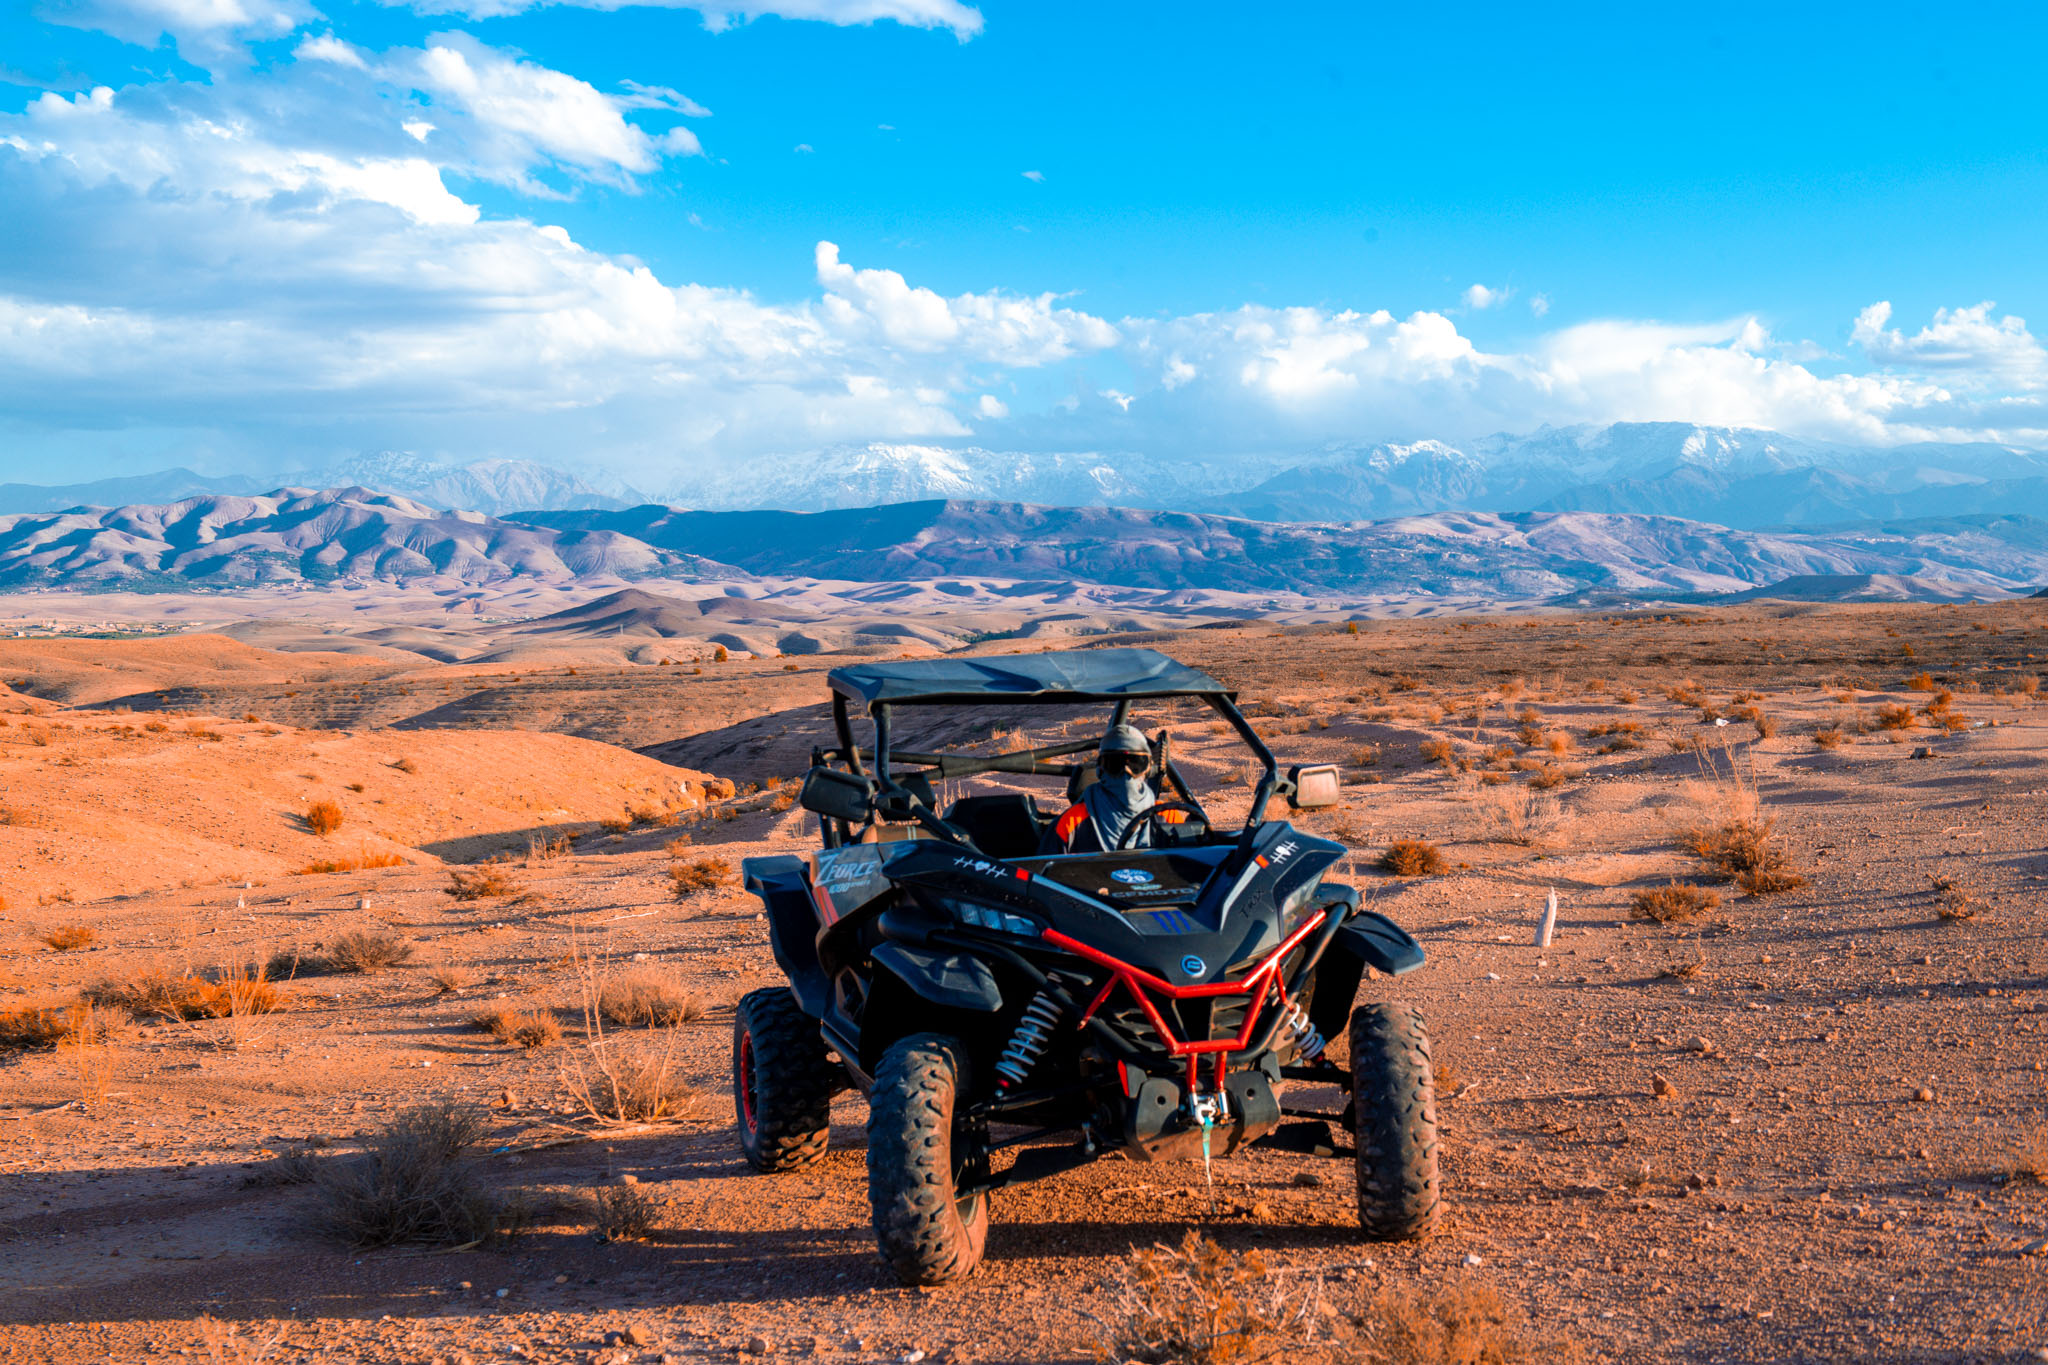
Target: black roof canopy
1067,676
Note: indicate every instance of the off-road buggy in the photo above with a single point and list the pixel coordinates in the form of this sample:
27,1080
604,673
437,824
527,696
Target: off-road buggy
1012,1013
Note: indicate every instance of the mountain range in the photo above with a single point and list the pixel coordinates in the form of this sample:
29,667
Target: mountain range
301,536
1730,476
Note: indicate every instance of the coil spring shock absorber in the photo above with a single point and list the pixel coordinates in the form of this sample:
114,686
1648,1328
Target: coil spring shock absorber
1308,1042
1033,1036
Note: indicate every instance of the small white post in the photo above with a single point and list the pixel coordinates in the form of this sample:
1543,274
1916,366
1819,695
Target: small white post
1548,924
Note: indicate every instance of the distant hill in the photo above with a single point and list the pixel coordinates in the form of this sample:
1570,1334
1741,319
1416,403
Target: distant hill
313,537
1867,588
166,485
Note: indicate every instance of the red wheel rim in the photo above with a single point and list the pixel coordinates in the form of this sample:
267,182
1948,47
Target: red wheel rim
745,1067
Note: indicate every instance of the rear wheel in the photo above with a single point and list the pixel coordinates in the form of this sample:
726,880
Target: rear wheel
1394,1099
783,1080
928,1233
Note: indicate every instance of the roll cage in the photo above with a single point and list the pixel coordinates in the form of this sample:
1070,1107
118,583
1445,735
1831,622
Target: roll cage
896,784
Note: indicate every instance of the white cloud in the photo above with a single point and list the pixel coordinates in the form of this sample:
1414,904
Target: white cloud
990,406
1539,304
1000,328
803,149
1478,296
328,48
964,21
1037,176
660,97
418,129
1959,339
201,27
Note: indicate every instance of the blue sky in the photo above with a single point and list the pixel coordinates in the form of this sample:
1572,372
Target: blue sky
644,239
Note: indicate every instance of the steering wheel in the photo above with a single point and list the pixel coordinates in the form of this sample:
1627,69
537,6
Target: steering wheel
1123,843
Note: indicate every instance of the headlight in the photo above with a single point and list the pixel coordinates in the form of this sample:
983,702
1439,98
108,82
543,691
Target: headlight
983,917
1297,902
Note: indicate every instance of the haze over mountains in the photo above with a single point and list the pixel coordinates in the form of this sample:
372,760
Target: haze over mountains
301,537
1731,476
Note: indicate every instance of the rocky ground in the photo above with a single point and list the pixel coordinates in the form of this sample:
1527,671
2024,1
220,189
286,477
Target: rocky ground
1793,1126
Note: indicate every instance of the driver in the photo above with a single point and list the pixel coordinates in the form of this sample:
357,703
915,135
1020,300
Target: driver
1118,796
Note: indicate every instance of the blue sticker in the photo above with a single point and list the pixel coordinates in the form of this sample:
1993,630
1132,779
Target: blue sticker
1193,966
1132,876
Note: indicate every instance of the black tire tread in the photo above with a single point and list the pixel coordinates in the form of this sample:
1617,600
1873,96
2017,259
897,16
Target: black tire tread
917,1220
1400,1190
794,1081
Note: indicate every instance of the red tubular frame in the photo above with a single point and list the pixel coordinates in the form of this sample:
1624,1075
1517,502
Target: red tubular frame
1256,983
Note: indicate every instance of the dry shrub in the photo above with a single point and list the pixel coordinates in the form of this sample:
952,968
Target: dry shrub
1438,751
1955,899
1829,738
1737,837
615,824
1920,682
323,818
2026,1157
1765,725
66,937
1462,1323
38,735
539,850
1678,901
1413,858
629,1080
1365,756
414,1182
24,819
1892,716
1516,816
231,993
1686,694
647,999
622,1212
1550,776
481,884
699,875
1197,1304
1558,742
451,980
360,951
356,864
29,1026
406,765
225,1344
522,1028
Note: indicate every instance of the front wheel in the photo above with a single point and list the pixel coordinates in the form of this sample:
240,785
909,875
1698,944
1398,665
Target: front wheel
928,1233
1394,1094
783,1080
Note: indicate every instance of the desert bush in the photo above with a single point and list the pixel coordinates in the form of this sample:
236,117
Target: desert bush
1685,694
2026,1157
405,765
1829,737
481,883
232,992
1516,816
1737,837
1666,904
542,850
1558,742
1413,858
647,999
34,1026
1955,899
68,936
1197,1304
414,1182
1438,751
622,1213
1892,716
1462,1323
699,875
360,951
325,866
1550,776
1765,725
1365,756
521,1028
449,979
1920,682
1627,696
22,818
323,818
628,1080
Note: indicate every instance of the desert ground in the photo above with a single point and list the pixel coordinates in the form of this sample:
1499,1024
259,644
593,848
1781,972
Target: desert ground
1808,1121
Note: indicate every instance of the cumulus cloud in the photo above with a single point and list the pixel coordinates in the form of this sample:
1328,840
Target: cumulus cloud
1479,297
964,21
1037,177
1967,340
1001,328
201,27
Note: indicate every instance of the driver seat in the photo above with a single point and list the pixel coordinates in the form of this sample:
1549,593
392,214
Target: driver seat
1002,826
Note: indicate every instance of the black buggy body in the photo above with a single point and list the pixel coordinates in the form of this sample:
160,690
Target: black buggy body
1012,1011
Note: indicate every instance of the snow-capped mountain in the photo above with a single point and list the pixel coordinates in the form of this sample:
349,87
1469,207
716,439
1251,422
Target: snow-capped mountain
489,486
875,474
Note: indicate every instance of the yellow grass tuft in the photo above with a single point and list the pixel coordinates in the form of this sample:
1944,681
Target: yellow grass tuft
1198,1304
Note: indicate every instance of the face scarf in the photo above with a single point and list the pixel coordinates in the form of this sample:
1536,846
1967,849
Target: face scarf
1115,801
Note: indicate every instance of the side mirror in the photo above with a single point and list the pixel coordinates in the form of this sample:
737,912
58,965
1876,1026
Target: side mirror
837,796
1314,786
